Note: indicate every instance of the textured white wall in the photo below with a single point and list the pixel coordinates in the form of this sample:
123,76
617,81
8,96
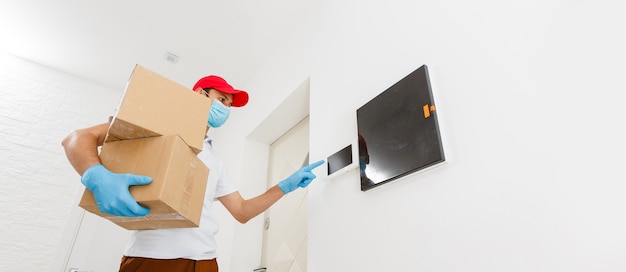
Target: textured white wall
39,107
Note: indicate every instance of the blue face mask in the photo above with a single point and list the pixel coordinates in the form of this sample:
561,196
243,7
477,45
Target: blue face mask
218,114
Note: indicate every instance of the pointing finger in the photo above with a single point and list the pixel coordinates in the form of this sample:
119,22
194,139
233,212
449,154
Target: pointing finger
313,165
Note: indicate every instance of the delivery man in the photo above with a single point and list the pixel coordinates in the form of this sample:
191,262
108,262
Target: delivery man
182,249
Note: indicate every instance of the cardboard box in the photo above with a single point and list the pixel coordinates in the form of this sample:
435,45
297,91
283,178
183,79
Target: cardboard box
153,105
176,194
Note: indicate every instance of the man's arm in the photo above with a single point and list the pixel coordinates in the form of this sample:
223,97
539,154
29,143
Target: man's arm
110,189
81,146
243,210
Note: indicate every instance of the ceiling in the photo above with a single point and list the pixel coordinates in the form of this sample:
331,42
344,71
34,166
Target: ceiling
103,40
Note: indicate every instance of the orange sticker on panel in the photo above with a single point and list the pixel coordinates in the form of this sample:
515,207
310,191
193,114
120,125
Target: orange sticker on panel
426,111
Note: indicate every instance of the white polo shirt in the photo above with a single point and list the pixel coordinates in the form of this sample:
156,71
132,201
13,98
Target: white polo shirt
189,243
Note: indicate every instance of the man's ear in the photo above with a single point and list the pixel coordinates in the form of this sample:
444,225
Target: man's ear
199,90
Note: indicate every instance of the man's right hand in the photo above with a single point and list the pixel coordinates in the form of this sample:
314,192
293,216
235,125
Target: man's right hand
111,191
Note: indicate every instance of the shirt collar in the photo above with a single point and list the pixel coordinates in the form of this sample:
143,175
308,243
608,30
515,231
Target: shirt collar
208,141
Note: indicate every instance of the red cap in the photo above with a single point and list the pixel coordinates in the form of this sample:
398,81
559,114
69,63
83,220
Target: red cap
240,97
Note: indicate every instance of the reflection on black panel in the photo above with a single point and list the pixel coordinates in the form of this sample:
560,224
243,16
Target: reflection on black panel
398,131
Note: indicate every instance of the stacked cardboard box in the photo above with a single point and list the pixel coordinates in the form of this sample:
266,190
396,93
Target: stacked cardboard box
157,132
155,106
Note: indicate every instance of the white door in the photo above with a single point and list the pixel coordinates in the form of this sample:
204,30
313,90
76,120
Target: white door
285,236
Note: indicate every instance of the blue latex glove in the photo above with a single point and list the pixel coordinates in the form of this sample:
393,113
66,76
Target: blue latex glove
111,191
300,178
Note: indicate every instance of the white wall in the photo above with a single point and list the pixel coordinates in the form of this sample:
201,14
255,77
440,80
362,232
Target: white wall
39,107
528,98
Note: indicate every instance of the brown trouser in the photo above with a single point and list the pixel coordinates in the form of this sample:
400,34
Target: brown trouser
137,264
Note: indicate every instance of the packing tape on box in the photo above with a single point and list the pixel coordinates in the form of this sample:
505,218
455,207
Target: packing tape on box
151,217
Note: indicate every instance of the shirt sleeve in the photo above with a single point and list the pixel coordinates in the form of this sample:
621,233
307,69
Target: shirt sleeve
224,186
